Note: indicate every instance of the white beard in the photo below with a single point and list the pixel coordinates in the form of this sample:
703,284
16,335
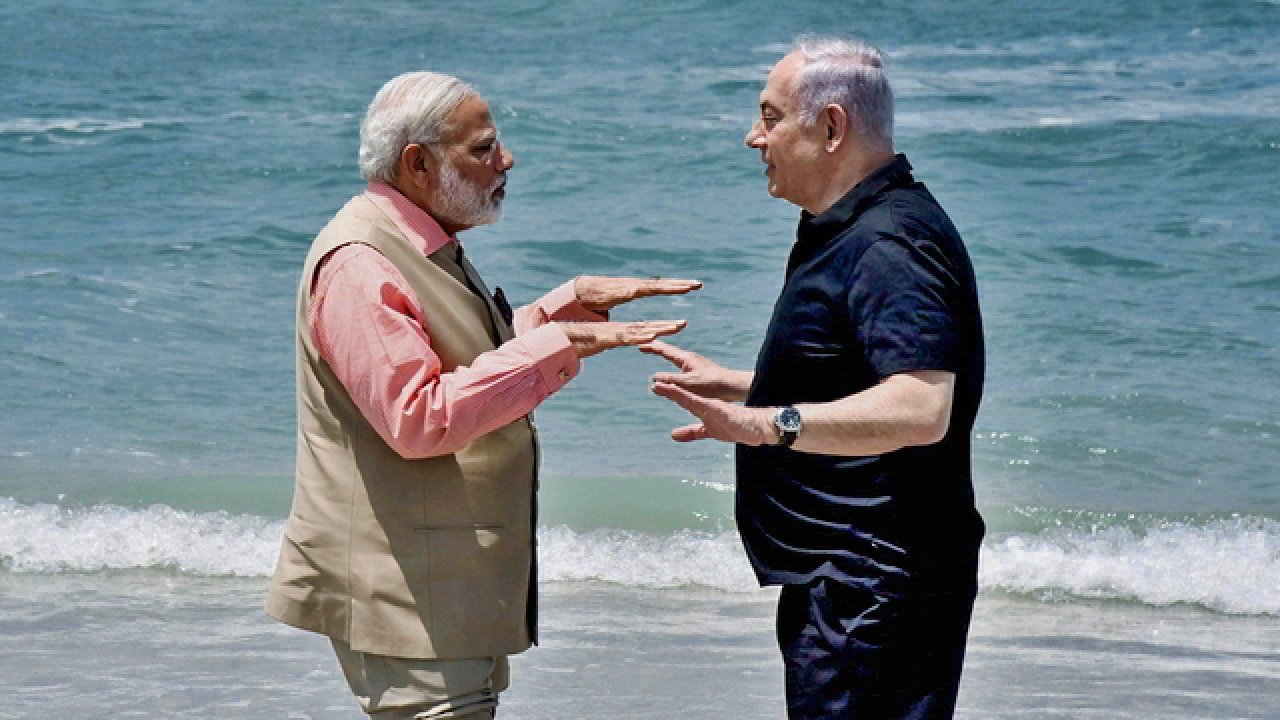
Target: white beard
463,203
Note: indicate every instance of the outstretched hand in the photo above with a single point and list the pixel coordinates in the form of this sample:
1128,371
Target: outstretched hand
698,374
720,420
598,294
591,338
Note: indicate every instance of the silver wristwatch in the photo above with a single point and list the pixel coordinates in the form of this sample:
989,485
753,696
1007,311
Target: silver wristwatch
788,423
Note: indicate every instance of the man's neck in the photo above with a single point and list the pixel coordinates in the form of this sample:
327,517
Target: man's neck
846,175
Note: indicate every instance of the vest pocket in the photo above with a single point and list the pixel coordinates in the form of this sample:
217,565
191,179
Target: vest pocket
454,547
459,526
478,579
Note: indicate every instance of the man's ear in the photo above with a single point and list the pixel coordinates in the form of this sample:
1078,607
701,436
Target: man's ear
417,166
836,124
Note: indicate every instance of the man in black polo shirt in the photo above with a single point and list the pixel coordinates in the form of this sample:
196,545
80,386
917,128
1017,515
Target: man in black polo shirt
854,488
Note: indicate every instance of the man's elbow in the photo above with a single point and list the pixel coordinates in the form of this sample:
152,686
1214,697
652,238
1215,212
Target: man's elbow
931,399
931,429
412,438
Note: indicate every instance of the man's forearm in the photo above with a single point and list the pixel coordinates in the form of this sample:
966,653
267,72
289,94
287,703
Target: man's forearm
420,412
906,410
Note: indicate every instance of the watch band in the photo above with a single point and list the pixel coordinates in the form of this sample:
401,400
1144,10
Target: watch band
786,438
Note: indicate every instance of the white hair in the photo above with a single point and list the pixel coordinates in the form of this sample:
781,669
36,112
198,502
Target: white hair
849,73
410,109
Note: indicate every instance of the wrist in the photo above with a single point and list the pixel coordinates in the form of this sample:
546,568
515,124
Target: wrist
589,297
765,430
787,424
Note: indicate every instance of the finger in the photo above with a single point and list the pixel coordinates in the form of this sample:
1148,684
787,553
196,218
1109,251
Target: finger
685,399
665,350
660,324
664,286
652,328
671,378
668,329
689,433
644,332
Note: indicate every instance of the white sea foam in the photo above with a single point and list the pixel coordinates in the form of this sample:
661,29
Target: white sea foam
84,127
1229,565
50,539
80,126
684,558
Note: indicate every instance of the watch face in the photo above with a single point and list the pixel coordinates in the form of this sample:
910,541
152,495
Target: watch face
789,419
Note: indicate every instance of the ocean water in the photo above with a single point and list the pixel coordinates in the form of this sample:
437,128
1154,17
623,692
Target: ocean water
1113,166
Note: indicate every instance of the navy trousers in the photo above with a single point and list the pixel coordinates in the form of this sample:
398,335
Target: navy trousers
852,653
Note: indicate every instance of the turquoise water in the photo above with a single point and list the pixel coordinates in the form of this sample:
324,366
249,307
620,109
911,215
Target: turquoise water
1114,168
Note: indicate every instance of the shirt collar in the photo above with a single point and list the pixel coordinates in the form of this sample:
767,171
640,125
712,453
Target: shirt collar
421,229
836,217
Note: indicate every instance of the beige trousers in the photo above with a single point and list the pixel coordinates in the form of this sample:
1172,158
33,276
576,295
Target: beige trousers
392,688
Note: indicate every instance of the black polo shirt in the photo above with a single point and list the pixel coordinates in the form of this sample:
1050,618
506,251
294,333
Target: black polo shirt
878,284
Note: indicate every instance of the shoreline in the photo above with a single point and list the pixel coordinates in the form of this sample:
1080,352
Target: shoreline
152,645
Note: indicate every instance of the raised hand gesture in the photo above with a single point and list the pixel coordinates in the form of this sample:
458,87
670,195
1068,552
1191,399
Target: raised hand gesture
598,294
699,375
727,422
590,338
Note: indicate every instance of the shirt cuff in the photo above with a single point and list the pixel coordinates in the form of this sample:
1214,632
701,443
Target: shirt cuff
553,355
562,305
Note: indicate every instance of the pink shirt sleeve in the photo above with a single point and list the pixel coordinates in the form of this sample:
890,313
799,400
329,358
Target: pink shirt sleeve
559,305
369,327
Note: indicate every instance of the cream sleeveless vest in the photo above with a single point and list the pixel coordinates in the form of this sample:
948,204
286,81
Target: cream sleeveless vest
425,558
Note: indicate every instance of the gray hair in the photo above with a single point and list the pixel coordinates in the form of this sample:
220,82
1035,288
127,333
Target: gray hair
849,73
411,108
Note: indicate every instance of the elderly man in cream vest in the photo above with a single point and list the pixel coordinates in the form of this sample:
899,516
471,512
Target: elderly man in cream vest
410,543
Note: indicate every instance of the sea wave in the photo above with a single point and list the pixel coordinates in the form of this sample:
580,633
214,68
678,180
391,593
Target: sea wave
47,538
683,558
90,126
84,126
1228,565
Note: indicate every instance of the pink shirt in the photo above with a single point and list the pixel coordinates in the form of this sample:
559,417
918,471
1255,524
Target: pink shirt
368,325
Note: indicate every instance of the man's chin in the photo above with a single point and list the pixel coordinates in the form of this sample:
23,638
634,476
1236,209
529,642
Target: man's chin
489,217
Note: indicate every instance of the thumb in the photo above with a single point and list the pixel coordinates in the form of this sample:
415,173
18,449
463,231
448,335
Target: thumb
673,392
689,433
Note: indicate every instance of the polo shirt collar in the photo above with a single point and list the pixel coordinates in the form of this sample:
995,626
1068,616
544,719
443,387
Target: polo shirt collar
849,207
421,229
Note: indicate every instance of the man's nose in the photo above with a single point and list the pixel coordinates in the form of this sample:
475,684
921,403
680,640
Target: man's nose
505,159
753,135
